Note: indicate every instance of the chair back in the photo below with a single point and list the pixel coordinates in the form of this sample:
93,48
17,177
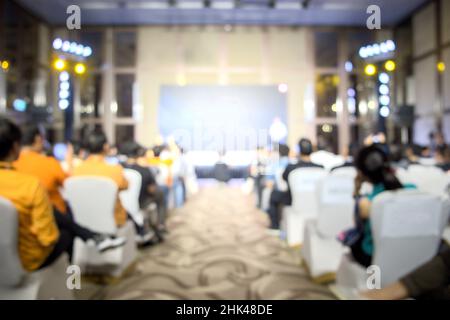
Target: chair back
429,179
93,200
345,171
130,197
11,271
336,204
303,184
407,226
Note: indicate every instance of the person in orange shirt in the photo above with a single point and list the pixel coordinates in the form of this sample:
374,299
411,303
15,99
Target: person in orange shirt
96,144
43,234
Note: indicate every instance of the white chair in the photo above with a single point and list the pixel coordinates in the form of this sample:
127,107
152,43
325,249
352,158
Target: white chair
130,197
429,179
345,171
403,176
321,250
15,282
303,184
407,226
327,159
92,200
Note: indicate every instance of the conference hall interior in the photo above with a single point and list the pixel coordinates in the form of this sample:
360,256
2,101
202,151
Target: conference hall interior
224,149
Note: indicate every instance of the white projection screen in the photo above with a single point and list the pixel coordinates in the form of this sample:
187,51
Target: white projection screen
220,118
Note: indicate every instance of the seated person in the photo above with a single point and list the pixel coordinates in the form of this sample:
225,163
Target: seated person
372,167
43,234
279,164
350,156
95,164
32,161
442,156
150,192
430,281
281,198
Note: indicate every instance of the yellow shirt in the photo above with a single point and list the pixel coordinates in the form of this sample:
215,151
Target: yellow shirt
48,171
96,166
37,228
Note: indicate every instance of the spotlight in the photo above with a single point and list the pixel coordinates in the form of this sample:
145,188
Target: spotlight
59,64
384,78
384,89
282,88
57,44
80,49
327,128
390,65
65,46
80,68
87,51
376,49
64,85
351,93
363,53
370,70
64,94
64,76
384,48
63,104
441,66
384,111
5,65
349,66
385,100
19,105
390,45
73,47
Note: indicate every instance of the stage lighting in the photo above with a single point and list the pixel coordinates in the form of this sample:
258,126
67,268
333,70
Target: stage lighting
19,105
348,66
63,104
283,88
384,89
57,44
441,66
5,65
327,128
370,70
363,53
384,78
64,85
87,51
80,68
73,47
64,76
64,94
385,100
80,50
384,111
351,92
59,64
65,46
390,65
390,45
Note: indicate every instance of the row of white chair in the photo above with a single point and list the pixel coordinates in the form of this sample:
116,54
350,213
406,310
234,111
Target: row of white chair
92,200
407,226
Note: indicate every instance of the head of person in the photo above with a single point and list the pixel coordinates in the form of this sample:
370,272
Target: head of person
373,165
396,153
283,150
33,137
96,143
10,140
132,150
442,155
305,147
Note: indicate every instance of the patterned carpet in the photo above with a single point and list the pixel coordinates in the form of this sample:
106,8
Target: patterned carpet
218,248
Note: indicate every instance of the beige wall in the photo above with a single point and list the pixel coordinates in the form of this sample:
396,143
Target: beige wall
212,56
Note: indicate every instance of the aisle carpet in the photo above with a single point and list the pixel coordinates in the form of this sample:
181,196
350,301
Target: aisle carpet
218,248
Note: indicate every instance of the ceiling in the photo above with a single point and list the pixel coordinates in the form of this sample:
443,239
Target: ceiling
249,12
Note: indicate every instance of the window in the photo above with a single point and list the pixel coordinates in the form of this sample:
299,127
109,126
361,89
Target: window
124,133
90,96
95,40
327,137
124,94
326,49
326,95
125,49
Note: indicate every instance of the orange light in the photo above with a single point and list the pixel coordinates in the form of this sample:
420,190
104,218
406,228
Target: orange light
59,64
5,65
370,70
80,68
390,65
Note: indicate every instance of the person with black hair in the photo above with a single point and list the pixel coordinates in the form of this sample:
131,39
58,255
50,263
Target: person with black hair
44,233
372,167
97,146
150,191
278,199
